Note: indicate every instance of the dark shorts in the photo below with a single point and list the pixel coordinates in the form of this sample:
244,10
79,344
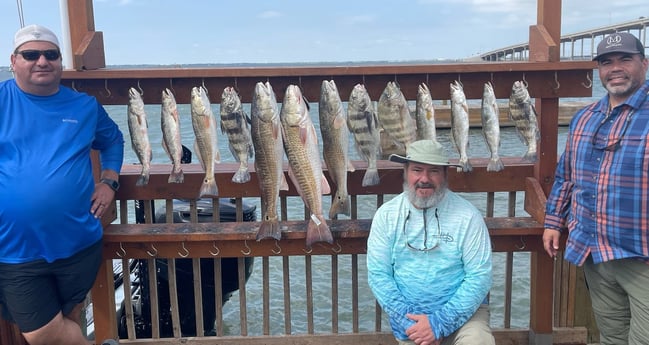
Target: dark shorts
32,293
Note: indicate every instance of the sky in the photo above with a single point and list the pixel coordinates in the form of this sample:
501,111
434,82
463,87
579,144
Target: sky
163,32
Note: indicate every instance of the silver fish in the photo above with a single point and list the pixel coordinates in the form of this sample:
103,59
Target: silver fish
460,124
235,124
305,167
266,131
491,126
394,116
205,144
523,114
425,114
171,141
335,145
363,122
138,129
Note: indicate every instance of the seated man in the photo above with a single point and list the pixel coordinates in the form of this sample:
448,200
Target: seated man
429,256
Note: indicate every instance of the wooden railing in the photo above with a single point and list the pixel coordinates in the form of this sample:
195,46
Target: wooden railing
262,318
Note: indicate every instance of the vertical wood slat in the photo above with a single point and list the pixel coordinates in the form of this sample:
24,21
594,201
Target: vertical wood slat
509,266
308,276
243,313
265,271
218,295
334,294
173,297
128,303
355,315
287,295
198,296
153,298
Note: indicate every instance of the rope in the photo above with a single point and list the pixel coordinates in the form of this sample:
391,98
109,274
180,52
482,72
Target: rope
21,17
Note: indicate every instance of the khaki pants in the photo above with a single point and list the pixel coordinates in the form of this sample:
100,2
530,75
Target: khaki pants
476,331
620,298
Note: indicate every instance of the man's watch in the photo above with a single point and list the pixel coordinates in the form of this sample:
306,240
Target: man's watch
114,185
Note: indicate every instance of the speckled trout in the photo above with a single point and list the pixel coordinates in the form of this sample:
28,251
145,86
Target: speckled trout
205,144
460,124
138,129
335,145
266,131
171,141
305,168
235,124
363,123
523,114
491,126
425,114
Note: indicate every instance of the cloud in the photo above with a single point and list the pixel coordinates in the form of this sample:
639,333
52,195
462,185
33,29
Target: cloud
269,14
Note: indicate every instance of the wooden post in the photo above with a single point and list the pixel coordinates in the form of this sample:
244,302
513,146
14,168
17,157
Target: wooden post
87,45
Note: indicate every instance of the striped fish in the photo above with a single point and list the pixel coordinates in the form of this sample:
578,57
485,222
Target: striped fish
363,123
394,116
235,123
523,114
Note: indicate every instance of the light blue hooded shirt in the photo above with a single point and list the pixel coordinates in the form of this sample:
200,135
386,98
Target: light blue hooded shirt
447,283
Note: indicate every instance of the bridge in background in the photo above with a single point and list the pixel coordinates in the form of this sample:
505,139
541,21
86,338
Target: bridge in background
576,46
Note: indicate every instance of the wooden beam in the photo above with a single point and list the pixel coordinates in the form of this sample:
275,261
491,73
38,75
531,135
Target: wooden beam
87,45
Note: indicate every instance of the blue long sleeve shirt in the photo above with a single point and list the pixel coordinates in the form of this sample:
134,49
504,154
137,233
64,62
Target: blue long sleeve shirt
447,283
46,180
601,187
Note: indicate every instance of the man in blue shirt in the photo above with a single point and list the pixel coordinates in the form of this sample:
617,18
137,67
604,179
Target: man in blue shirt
429,257
50,234
600,194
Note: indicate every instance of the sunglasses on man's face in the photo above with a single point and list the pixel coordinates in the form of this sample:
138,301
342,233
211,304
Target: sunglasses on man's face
33,55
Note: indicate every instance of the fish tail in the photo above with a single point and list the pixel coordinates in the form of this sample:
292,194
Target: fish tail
176,176
466,165
495,164
530,156
371,177
318,231
209,187
241,176
269,228
143,180
339,205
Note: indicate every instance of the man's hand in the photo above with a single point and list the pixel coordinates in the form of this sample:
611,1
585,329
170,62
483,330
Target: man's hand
551,242
420,332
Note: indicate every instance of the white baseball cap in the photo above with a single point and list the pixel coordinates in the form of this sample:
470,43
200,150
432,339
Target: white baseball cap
34,33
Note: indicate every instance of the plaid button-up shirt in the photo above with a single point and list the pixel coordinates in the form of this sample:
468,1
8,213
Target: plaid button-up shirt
601,188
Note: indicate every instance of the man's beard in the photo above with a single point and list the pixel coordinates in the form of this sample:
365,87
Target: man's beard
429,201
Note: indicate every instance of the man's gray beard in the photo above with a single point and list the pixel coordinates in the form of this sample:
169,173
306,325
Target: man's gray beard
425,202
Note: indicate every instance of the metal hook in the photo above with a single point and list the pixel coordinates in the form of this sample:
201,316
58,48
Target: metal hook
171,86
308,251
279,249
492,78
203,85
217,249
590,81
363,79
155,251
236,85
123,253
338,249
248,250
107,89
426,79
522,246
186,251
73,87
556,80
140,88
525,81
299,82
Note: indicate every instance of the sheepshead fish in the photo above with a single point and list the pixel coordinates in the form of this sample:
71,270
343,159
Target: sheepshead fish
138,128
205,144
305,167
460,124
425,114
363,122
171,142
394,116
335,145
523,114
235,124
266,131
491,126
